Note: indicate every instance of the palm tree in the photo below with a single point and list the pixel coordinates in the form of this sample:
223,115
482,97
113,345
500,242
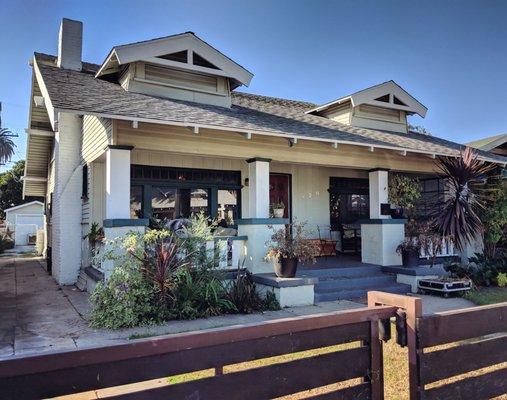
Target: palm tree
459,215
6,145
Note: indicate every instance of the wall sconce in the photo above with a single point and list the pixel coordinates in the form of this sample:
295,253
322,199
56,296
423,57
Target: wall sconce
247,181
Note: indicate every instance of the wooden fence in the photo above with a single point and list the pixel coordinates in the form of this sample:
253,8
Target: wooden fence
448,351
57,374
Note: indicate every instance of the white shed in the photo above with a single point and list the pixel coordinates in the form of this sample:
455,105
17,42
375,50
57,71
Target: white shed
25,220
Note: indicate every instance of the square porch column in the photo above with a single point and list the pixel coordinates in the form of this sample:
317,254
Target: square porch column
256,224
380,235
118,181
117,222
258,187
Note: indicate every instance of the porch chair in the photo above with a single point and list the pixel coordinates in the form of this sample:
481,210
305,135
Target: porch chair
327,244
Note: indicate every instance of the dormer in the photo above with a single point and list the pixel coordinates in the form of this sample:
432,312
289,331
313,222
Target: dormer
383,107
181,67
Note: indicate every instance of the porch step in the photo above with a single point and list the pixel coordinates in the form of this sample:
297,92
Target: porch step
363,282
341,273
355,293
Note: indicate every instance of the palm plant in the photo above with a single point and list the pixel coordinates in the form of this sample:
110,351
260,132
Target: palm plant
6,145
459,215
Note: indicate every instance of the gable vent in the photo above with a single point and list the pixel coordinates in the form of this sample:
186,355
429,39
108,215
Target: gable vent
202,62
180,56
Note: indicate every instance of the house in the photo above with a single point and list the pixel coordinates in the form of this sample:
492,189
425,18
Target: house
495,144
161,129
24,220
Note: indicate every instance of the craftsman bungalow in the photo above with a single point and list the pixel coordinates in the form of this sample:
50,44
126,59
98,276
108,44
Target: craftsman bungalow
159,129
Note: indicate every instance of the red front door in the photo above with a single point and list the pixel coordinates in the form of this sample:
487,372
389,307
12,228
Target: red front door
279,191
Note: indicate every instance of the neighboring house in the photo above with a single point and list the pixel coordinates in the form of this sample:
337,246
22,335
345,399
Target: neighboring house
159,129
494,144
24,220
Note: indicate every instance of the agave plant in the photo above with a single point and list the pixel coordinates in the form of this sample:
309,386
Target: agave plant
459,216
6,145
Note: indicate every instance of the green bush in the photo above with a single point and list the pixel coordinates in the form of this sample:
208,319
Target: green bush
166,275
482,269
6,244
501,279
126,299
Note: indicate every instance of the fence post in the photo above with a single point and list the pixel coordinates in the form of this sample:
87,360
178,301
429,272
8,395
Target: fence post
413,310
377,362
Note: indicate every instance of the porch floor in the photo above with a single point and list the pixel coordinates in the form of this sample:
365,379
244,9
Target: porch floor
339,261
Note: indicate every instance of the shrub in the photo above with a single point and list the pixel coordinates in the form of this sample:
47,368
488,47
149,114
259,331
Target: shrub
126,299
404,192
501,279
6,244
482,269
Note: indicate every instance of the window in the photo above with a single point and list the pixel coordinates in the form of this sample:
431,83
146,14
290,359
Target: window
172,193
432,196
349,201
84,189
227,210
136,201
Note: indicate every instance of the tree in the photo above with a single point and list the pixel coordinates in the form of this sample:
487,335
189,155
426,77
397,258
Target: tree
459,217
495,216
11,187
6,145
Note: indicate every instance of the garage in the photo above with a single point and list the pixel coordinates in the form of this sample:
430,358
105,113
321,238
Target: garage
24,220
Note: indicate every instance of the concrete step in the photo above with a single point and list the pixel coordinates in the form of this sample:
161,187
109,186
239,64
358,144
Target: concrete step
81,280
339,273
353,293
363,282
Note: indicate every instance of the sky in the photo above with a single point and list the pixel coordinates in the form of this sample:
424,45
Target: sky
450,55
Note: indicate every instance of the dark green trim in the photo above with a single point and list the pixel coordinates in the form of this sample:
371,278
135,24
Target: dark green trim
383,221
232,238
119,147
379,169
254,159
119,222
263,221
94,274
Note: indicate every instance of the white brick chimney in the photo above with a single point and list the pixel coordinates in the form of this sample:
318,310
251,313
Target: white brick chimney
70,44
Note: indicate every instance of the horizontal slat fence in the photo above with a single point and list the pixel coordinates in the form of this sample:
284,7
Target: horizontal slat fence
468,340
56,374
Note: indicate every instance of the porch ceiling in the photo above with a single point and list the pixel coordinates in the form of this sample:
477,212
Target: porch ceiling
38,152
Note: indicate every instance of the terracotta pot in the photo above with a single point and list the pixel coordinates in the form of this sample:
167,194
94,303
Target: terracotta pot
286,268
410,258
278,212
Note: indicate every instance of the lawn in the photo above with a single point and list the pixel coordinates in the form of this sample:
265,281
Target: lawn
487,295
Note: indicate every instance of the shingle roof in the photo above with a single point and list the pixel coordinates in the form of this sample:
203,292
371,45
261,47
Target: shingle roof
490,142
81,91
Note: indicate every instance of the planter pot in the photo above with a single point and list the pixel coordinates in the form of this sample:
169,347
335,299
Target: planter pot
397,213
278,212
410,258
286,268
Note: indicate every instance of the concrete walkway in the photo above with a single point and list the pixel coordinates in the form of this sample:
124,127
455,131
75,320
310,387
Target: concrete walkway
37,315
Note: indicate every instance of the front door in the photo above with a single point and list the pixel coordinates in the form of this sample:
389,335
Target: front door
279,192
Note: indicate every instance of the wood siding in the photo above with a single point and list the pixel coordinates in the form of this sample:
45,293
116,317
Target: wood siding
97,134
340,113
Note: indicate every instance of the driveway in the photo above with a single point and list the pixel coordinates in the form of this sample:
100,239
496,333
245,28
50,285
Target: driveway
37,315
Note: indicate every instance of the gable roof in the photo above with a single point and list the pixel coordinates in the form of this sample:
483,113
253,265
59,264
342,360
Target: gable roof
489,143
151,50
24,205
82,93
371,95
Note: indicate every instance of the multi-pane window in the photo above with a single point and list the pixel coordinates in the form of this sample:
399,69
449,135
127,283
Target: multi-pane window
432,196
172,193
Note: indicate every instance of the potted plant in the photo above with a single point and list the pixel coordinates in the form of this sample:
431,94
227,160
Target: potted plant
288,246
404,192
278,209
409,249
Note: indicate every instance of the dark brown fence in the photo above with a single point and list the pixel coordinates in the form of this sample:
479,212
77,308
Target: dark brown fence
448,351
79,371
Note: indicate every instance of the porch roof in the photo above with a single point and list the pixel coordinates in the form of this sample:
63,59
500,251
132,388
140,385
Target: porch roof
82,93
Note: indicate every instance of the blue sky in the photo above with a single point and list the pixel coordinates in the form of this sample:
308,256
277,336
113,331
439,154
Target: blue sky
451,55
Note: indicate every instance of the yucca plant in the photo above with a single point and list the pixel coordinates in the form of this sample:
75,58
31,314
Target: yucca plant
6,145
459,216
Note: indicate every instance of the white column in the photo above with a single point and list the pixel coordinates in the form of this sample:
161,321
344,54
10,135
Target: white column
378,192
258,187
118,182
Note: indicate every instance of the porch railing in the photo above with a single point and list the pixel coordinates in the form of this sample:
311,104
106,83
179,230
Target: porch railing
447,250
230,250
